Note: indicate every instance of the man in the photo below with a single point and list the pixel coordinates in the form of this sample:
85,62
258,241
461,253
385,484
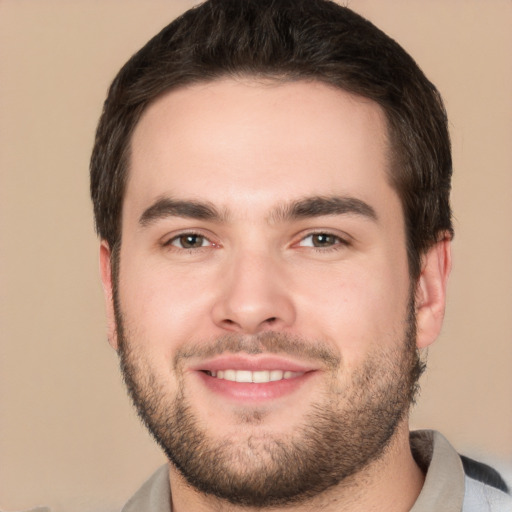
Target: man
271,185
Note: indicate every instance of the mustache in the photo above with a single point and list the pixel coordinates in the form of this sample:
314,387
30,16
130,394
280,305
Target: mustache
261,343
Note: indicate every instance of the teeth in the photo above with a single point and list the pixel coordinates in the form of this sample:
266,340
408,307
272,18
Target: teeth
243,376
276,375
259,377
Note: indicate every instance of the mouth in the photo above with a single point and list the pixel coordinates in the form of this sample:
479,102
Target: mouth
248,378
255,377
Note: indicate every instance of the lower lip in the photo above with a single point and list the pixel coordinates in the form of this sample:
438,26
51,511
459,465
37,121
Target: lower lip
248,391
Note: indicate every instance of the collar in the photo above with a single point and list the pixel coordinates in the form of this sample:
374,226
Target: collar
154,495
444,474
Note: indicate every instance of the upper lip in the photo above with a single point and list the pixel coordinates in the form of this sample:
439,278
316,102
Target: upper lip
253,363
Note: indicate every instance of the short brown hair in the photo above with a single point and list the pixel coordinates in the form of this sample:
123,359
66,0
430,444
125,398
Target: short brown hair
286,40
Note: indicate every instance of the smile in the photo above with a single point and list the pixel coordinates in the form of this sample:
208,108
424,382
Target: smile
257,377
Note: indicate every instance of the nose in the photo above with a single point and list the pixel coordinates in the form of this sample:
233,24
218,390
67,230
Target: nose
253,296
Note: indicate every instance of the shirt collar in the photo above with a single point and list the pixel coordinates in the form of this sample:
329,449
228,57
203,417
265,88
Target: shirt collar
444,480
154,495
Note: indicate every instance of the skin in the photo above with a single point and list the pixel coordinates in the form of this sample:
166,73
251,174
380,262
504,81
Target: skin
250,149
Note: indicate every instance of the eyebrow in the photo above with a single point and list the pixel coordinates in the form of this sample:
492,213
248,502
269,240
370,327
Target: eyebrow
168,207
319,206
309,207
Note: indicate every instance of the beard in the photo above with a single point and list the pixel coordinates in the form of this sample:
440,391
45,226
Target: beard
348,427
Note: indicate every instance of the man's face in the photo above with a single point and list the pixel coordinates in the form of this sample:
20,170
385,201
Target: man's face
262,242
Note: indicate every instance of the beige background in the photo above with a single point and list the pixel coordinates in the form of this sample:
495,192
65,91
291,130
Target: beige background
68,436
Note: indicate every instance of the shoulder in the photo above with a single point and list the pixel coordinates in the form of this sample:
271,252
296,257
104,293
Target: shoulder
154,495
485,489
453,482
483,473
482,497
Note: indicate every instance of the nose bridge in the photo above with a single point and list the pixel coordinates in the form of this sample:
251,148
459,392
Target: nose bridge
253,296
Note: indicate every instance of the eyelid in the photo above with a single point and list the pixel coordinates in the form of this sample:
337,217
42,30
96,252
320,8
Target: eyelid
343,239
168,239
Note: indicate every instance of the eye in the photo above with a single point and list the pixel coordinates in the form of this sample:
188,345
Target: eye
321,240
189,241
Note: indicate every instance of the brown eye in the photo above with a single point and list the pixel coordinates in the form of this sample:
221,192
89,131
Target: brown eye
189,241
320,240
323,240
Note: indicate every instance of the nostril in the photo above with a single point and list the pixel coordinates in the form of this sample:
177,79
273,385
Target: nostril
271,320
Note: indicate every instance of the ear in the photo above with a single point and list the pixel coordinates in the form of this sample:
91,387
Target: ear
436,264
108,292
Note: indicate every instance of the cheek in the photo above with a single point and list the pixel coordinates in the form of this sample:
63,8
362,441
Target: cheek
355,309
164,307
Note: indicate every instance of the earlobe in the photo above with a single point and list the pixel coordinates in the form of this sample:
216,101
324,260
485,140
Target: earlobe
108,292
431,291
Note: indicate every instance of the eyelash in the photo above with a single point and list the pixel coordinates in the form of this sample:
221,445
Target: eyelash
170,243
338,242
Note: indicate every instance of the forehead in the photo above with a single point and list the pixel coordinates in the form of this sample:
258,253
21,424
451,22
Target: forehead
247,143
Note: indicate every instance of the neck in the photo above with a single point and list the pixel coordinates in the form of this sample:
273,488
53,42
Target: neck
391,483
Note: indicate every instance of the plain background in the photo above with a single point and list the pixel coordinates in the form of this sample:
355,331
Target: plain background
68,435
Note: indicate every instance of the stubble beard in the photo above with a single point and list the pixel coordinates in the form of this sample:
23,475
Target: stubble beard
346,429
